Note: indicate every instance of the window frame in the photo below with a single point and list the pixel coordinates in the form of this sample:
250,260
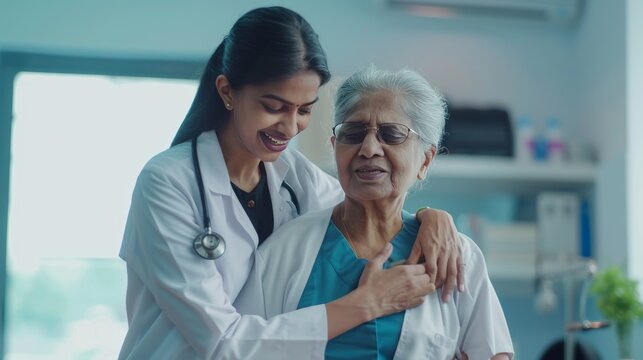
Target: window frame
14,62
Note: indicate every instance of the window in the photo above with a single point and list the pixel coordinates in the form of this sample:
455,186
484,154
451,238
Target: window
78,142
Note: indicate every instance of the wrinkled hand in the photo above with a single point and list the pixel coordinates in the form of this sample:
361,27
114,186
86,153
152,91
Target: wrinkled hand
438,244
396,289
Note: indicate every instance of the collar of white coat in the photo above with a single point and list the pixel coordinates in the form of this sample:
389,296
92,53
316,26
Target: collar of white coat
215,173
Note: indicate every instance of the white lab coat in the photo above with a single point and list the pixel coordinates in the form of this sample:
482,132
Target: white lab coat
472,322
179,305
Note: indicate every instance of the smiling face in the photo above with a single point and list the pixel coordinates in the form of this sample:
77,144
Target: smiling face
264,118
375,171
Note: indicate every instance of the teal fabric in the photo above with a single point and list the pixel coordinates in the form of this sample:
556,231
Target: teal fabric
335,273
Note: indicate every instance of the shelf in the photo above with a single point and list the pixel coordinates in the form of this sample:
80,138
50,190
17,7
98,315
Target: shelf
496,168
479,173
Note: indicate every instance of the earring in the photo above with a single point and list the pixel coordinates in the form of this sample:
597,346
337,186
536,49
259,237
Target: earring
228,106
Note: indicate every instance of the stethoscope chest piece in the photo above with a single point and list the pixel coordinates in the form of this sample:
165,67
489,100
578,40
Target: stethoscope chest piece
209,245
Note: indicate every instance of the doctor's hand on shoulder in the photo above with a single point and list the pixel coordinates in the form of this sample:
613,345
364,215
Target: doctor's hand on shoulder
438,246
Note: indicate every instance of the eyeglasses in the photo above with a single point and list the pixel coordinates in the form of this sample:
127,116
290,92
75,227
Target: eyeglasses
353,132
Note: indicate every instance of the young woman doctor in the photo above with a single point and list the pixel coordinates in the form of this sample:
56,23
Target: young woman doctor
200,209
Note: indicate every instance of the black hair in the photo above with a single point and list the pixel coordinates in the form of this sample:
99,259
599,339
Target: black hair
265,44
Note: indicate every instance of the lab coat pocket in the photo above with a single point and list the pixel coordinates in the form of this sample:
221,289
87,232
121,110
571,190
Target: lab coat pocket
430,331
441,347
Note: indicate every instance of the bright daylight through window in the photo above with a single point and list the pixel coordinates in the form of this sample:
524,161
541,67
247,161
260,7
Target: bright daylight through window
78,143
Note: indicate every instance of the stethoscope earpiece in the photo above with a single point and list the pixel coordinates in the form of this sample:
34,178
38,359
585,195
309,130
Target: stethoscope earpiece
209,245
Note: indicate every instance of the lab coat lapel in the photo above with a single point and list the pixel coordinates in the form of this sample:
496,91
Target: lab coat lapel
297,261
217,180
213,168
276,173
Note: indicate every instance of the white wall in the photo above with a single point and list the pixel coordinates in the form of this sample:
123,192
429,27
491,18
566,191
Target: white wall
634,130
601,85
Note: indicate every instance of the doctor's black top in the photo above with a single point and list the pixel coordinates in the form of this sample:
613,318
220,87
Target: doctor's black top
258,205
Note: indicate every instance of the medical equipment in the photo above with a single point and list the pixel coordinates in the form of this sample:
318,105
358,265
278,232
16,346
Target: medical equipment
573,268
209,244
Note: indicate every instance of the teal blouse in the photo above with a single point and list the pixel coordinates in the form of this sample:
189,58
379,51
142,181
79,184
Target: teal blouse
335,273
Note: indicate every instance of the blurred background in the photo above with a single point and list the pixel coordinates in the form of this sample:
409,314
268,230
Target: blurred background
541,163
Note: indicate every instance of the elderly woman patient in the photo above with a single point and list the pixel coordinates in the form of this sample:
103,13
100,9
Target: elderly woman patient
388,126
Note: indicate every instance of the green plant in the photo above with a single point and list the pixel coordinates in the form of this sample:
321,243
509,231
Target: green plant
618,300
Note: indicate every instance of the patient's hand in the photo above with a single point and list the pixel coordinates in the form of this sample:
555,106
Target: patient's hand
380,293
395,289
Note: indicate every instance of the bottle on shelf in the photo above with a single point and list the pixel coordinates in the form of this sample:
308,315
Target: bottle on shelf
555,143
540,148
524,139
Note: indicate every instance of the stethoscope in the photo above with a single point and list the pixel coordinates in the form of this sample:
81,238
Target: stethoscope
209,244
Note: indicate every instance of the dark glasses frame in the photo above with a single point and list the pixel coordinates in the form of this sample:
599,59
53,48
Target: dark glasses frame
378,133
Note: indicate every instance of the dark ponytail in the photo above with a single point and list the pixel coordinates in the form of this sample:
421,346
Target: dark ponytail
265,44
207,106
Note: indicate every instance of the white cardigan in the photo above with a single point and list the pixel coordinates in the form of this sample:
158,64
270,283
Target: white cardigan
433,330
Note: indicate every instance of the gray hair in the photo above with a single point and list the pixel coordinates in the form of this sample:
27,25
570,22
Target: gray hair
421,103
